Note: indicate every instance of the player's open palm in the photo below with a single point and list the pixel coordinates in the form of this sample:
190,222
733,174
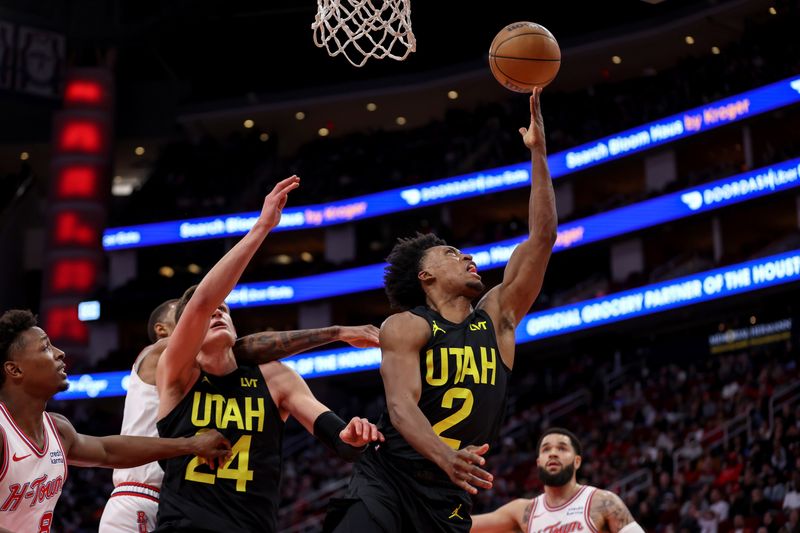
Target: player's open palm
464,469
360,432
276,201
533,135
211,447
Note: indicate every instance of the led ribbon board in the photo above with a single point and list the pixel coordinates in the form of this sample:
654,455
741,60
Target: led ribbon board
609,148
650,299
681,292
681,204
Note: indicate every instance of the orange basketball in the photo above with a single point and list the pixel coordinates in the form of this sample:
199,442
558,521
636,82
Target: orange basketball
524,55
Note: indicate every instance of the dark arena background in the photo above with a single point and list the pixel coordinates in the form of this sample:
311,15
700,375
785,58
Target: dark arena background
138,139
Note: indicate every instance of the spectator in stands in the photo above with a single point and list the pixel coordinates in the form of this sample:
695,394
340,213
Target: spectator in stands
791,501
718,505
792,524
739,525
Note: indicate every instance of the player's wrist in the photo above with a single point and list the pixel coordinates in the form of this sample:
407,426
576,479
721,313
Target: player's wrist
328,428
444,456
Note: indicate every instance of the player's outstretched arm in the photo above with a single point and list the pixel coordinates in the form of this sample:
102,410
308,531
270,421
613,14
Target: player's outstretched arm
402,337
267,346
513,516
125,451
609,513
524,273
294,398
177,367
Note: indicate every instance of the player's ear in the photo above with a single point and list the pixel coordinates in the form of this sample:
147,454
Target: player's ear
12,369
578,461
161,330
424,275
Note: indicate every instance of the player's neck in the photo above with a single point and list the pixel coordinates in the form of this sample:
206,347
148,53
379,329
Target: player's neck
27,413
557,496
217,363
452,308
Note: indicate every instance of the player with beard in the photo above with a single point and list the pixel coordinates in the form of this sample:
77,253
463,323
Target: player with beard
565,505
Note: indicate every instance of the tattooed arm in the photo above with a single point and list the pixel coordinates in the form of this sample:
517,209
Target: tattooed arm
609,513
513,516
267,346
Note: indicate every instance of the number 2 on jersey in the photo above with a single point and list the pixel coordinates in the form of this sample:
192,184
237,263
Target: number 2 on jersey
456,393
240,452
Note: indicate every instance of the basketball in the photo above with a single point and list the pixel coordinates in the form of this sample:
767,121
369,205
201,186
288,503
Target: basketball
524,55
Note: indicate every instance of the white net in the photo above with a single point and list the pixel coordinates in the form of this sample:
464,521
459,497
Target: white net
360,29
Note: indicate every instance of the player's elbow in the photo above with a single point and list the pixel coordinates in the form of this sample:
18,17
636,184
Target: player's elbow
544,236
547,232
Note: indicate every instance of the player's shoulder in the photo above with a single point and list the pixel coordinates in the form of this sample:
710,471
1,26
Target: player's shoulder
66,431
404,325
604,499
276,373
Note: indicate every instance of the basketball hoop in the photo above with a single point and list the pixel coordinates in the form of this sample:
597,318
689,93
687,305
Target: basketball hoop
359,29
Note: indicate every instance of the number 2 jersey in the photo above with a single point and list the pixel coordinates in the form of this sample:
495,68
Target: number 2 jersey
242,494
464,383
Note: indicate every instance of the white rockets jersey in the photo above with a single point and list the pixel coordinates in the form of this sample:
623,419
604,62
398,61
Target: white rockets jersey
31,478
566,518
139,418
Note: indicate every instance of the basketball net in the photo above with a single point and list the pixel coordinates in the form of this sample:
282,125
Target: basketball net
359,29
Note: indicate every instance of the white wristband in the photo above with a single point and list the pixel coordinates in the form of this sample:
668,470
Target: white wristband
633,527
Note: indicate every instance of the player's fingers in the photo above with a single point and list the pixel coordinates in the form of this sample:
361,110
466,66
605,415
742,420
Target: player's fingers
471,458
480,473
523,131
467,487
480,483
283,184
283,187
480,450
373,433
292,186
356,424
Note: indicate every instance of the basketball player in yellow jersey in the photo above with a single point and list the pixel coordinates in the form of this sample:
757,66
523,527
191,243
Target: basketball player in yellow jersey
445,369
201,385
565,505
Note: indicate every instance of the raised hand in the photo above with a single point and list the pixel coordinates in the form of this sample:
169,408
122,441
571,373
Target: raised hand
276,200
211,446
533,135
360,336
360,432
463,470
